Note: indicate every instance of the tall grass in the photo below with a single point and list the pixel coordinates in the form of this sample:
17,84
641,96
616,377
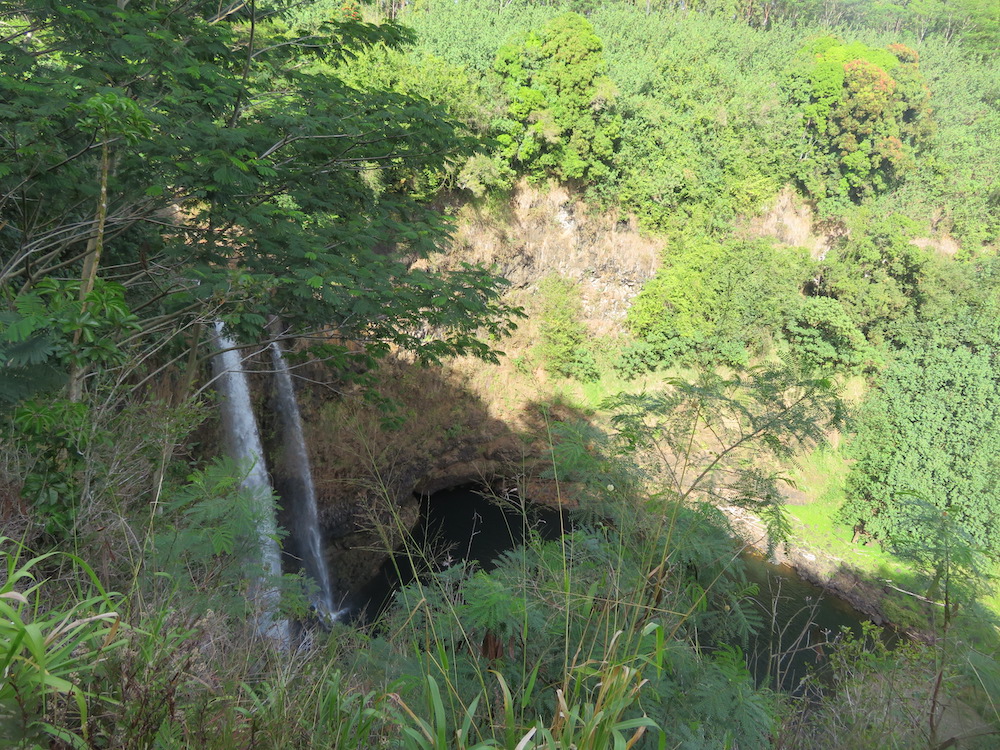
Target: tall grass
589,641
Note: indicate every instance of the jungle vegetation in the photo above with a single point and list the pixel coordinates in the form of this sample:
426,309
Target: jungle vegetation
166,164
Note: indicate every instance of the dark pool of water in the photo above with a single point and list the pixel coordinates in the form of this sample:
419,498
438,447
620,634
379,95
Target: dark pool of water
801,620
464,523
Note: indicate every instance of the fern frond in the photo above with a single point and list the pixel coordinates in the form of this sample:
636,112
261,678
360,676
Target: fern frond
33,351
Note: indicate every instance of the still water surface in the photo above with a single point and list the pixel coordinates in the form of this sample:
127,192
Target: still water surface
800,619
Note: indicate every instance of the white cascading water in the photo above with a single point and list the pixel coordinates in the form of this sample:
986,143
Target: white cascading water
244,447
300,500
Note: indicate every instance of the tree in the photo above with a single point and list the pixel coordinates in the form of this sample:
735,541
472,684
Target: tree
705,134
875,273
822,334
235,175
166,165
931,426
713,438
561,119
865,115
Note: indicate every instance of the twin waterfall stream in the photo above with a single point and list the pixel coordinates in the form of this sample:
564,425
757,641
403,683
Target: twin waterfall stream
243,445
300,496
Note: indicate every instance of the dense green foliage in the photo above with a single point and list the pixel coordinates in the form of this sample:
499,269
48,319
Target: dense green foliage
931,426
879,277
963,171
718,300
166,167
705,133
286,167
823,335
561,121
716,116
866,112
203,160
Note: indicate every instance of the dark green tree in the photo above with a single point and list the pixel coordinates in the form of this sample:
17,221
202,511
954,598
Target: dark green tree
215,165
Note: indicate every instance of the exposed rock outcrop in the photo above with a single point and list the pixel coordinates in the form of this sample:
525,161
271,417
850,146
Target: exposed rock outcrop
549,231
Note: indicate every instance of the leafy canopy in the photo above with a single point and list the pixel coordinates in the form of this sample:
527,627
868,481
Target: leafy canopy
931,427
865,116
718,300
561,119
229,171
168,164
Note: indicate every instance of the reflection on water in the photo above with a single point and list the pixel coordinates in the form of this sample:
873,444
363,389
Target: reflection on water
801,622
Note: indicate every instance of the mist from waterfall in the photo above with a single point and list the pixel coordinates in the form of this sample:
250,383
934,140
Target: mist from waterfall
243,445
298,490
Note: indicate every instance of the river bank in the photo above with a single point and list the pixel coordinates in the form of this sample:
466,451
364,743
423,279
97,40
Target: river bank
818,567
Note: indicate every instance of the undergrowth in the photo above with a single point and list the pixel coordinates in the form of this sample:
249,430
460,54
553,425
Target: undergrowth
629,630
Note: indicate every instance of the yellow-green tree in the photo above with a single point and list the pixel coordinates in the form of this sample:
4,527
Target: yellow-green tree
865,115
560,119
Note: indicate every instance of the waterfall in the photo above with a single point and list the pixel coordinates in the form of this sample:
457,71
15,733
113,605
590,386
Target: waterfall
244,446
298,492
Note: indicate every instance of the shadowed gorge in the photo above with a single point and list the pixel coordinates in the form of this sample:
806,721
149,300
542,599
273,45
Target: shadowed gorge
451,375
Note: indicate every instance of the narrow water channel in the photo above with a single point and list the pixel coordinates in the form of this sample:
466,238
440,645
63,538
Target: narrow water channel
800,622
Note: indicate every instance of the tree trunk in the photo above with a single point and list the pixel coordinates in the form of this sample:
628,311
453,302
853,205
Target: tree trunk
91,262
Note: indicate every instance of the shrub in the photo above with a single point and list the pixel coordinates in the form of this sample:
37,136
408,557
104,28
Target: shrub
563,346
718,300
822,334
637,358
49,656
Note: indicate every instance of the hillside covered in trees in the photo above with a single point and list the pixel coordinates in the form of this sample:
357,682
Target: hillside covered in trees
661,266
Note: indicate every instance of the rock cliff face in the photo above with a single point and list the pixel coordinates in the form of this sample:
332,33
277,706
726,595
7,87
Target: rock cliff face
791,221
454,431
541,232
